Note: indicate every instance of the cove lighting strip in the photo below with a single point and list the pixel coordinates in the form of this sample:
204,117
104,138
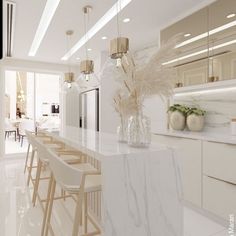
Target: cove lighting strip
200,52
220,90
204,35
48,13
112,12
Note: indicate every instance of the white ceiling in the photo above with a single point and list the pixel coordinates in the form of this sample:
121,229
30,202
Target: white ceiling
147,18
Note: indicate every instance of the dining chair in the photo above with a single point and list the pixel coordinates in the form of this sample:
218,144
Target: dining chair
25,125
9,129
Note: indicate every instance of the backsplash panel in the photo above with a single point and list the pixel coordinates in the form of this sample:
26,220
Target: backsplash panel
220,107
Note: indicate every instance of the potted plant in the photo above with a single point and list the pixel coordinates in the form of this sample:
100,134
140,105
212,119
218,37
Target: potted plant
195,119
177,116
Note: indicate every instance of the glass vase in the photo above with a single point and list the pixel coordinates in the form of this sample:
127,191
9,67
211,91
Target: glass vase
139,131
122,131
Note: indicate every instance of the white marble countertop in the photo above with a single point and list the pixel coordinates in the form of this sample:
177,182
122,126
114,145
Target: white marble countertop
205,136
141,187
101,144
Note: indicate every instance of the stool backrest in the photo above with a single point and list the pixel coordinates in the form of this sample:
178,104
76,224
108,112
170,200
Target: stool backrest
41,149
30,137
66,175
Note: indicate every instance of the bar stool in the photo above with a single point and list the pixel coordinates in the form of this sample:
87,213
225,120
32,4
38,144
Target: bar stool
77,179
65,154
48,141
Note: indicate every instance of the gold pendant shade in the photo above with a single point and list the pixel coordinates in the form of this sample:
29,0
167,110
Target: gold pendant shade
118,47
87,67
69,77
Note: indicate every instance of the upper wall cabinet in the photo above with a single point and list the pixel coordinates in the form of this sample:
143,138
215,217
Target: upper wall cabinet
207,52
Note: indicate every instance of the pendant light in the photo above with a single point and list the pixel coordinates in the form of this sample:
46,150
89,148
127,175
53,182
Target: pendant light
87,65
69,77
119,45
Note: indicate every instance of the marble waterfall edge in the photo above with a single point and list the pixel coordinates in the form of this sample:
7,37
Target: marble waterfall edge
147,190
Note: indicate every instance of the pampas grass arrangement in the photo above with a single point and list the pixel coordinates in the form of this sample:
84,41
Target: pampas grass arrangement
141,81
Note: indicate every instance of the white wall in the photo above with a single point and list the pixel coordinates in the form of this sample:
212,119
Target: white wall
47,91
2,111
30,95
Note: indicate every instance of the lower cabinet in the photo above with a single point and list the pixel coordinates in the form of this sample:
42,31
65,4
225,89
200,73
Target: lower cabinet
219,197
190,162
219,182
208,173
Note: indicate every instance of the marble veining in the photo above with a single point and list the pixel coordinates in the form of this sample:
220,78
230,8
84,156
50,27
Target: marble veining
141,188
220,107
143,196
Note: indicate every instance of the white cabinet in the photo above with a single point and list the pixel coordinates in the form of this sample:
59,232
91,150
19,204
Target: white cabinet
219,161
219,181
191,165
219,197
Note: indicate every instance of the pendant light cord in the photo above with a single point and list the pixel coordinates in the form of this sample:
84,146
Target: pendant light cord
86,20
68,46
118,7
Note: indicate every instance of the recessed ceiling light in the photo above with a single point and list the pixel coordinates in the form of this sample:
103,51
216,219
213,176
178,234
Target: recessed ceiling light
89,49
112,12
44,23
231,15
104,37
187,35
126,20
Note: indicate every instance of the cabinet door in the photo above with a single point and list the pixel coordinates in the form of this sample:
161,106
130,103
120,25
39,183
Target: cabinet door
189,151
219,197
219,161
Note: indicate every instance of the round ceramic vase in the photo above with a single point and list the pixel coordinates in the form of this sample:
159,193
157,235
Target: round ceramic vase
195,122
177,120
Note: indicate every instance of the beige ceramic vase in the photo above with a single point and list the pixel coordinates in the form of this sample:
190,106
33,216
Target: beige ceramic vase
177,120
195,122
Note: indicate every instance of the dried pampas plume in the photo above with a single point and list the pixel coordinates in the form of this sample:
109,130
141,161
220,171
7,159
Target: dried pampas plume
139,83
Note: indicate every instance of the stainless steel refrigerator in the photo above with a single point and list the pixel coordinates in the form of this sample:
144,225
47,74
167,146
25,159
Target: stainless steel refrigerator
89,118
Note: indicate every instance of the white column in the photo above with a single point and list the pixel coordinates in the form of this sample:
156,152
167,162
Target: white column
2,111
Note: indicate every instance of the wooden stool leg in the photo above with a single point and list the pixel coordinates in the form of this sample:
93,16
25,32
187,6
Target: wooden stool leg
27,157
48,220
37,179
47,205
85,213
30,167
78,212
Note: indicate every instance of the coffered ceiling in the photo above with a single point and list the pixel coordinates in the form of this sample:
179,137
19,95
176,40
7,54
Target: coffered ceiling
147,18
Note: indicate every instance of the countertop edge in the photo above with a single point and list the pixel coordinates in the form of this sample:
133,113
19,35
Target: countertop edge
204,136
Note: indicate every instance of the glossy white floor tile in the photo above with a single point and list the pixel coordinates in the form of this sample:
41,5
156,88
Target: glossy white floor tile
19,218
12,146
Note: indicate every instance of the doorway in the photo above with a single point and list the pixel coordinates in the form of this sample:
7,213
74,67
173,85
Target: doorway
32,101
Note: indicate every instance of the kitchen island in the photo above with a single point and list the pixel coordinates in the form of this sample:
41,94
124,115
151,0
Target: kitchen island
141,187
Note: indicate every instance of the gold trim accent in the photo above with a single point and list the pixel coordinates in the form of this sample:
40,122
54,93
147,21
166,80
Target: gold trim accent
69,77
118,47
87,67
87,9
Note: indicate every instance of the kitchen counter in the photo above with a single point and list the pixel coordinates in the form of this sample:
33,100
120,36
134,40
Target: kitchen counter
205,136
141,188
